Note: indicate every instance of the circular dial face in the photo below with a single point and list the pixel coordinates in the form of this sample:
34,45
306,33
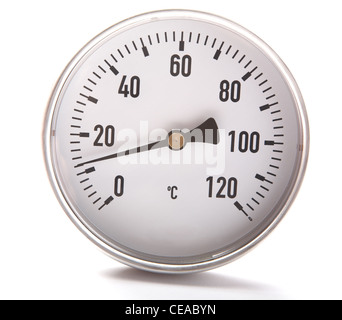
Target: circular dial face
176,140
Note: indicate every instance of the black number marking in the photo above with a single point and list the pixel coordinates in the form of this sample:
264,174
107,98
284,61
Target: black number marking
180,65
119,183
227,188
245,141
210,180
109,136
230,91
219,193
132,89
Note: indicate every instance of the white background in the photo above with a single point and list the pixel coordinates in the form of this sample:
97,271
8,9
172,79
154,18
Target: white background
42,254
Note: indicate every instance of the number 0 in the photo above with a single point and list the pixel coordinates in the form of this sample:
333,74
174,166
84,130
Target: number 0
119,185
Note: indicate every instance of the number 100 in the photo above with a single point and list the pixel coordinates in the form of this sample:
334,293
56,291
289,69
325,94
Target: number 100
245,141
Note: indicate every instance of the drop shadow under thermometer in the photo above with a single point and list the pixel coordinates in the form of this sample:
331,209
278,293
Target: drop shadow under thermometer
176,141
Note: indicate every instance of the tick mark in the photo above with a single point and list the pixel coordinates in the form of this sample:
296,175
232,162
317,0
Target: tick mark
92,194
93,82
81,134
181,43
217,54
145,51
269,143
267,106
98,199
107,202
84,134
238,205
115,71
112,68
135,46
87,171
122,56
228,49
235,54
255,201
250,61
246,76
262,178
92,99
272,143
96,75
240,208
262,83
264,107
250,207
243,57
259,194
258,76
218,51
269,97
113,58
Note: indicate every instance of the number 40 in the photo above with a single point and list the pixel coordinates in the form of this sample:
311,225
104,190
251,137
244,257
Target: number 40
131,89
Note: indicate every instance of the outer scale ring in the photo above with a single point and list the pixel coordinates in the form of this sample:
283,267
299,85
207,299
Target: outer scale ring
284,204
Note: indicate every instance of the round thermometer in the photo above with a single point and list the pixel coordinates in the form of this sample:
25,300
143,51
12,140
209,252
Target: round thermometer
176,141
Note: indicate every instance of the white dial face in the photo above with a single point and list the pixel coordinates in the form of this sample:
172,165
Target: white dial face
175,140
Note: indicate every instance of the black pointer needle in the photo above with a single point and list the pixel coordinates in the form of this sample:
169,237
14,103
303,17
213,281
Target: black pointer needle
207,132
147,147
